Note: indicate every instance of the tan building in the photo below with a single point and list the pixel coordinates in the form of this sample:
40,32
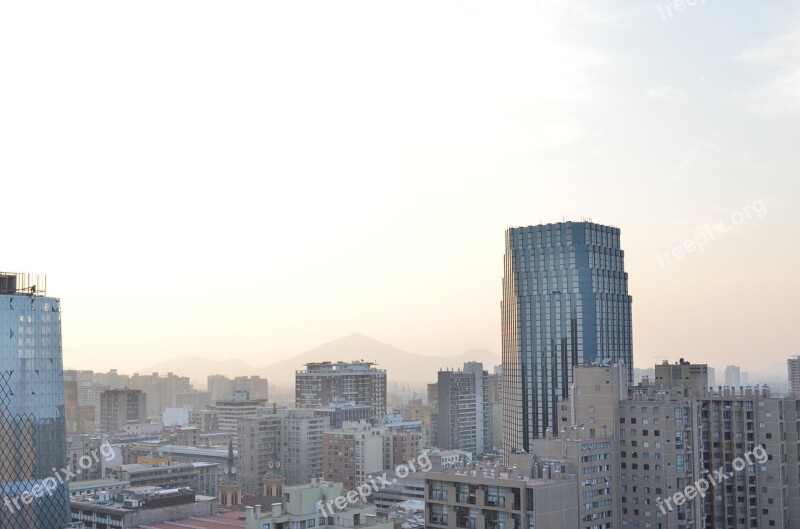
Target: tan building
353,452
476,496
324,382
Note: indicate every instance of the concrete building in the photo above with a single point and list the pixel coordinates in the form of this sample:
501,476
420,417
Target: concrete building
138,507
306,506
340,411
302,441
195,400
352,452
199,477
111,380
160,390
492,497
565,303
733,376
255,386
793,364
259,450
400,489
464,416
219,387
120,408
33,431
324,382
238,408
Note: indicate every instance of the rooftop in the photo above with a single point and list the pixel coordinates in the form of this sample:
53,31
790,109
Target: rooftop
18,283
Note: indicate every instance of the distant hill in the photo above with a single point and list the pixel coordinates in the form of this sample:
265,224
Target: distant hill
198,368
400,366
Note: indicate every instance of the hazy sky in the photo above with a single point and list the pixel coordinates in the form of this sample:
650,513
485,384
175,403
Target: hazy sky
251,179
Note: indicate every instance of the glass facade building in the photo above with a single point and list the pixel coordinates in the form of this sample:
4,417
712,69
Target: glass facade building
33,488
565,303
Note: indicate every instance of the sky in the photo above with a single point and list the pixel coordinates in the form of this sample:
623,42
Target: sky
253,179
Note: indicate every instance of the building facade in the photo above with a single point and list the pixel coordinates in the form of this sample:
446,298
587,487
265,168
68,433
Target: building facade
464,420
565,303
120,408
322,383
32,415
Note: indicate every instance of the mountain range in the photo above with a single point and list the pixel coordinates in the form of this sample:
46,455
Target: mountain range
401,366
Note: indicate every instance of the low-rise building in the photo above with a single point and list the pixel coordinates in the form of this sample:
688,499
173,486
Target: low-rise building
306,506
139,507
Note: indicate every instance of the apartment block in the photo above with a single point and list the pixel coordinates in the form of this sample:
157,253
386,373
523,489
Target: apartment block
464,414
477,496
324,382
353,452
302,442
120,408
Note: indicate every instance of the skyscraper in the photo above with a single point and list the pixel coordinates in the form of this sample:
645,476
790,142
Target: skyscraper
33,444
793,364
565,303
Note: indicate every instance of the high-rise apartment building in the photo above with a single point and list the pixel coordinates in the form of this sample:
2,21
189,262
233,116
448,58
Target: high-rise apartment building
259,450
220,387
121,407
794,375
257,387
565,303
733,376
240,407
352,452
324,382
160,390
464,420
32,423
302,434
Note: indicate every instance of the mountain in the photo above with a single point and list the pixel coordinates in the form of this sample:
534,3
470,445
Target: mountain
400,366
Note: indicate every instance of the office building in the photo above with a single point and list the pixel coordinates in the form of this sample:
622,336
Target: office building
322,383
120,408
32,424
565,303
464,416
794,375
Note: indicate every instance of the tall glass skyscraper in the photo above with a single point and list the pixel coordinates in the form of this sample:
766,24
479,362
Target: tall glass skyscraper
33,492
565,303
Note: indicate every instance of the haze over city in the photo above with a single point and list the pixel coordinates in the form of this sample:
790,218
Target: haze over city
273,177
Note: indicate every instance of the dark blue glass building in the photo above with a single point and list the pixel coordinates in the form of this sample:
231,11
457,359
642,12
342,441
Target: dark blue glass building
565,303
